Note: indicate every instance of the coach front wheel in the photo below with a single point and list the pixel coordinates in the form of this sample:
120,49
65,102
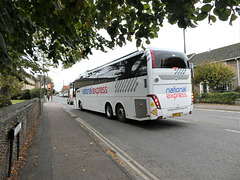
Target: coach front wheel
80,105
121,113
109,111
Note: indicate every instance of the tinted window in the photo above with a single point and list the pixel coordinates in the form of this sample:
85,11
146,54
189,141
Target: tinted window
168,59
133,67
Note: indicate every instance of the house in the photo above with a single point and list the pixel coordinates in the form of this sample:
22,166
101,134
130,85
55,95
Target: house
228,54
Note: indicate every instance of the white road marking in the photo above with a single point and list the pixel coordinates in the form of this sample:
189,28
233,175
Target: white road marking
230,130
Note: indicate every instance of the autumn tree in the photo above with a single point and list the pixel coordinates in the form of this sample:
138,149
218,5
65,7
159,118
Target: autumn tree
214,74
68,30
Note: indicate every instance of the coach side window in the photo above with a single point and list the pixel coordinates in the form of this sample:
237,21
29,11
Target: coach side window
136,66
139,68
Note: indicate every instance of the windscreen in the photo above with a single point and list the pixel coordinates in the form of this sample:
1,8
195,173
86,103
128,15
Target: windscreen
168,59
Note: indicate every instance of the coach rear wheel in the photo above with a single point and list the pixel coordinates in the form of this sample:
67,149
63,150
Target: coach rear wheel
121,113
109,111
80,105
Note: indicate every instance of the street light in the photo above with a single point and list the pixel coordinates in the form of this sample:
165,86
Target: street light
184,41
40,99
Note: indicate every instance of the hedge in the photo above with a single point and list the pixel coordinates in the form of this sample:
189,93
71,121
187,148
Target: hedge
35,93
219,98
25,94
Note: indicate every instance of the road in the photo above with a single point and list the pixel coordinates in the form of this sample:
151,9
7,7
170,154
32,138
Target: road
204,145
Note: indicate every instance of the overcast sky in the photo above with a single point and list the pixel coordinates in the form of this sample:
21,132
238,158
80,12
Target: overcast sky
203,38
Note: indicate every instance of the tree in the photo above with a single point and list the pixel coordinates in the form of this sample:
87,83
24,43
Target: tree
68,30
214,74
12,86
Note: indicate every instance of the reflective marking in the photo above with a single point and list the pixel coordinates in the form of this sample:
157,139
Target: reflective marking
234,131
154,112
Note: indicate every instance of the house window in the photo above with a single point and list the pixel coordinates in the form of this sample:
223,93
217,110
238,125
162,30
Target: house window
204,88
228,87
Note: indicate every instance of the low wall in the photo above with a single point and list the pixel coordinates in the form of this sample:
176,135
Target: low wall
26,113
237,102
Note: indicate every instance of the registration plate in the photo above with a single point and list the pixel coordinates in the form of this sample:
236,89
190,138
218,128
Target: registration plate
176,114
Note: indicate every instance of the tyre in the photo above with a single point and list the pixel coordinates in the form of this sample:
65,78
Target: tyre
121,116
109,111
80,105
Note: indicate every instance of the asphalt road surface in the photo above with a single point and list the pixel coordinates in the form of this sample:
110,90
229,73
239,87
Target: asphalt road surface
204,145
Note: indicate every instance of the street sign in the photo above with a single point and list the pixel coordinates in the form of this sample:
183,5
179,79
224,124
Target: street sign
11,135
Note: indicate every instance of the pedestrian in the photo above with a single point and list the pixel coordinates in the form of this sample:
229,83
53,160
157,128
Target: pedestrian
48,96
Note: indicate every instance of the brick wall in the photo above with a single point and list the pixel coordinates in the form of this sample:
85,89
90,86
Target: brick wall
26,113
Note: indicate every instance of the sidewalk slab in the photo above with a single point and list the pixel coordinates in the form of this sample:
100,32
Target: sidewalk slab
61,149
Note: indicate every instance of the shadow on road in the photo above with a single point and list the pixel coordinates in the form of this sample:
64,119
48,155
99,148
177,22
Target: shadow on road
158,124
149,125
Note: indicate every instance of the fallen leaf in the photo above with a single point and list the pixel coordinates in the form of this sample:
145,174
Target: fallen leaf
91,143
83,170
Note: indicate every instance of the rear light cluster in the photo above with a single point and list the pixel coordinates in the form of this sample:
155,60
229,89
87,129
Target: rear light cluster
153,58
192,97
71,96
155,99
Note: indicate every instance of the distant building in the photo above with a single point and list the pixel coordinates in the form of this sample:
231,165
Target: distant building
31,85
35,82
65,90
43,84
228,54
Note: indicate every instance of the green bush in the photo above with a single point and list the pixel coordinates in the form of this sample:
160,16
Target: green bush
25,94
35,93
16,96
4,101
219,98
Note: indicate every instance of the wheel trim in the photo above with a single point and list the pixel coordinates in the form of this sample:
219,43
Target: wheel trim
109,111
121,113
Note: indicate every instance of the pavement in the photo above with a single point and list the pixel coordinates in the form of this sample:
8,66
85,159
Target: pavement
63,149
223,107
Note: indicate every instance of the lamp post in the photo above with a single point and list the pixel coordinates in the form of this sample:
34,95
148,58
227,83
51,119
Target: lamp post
40,99
184,41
